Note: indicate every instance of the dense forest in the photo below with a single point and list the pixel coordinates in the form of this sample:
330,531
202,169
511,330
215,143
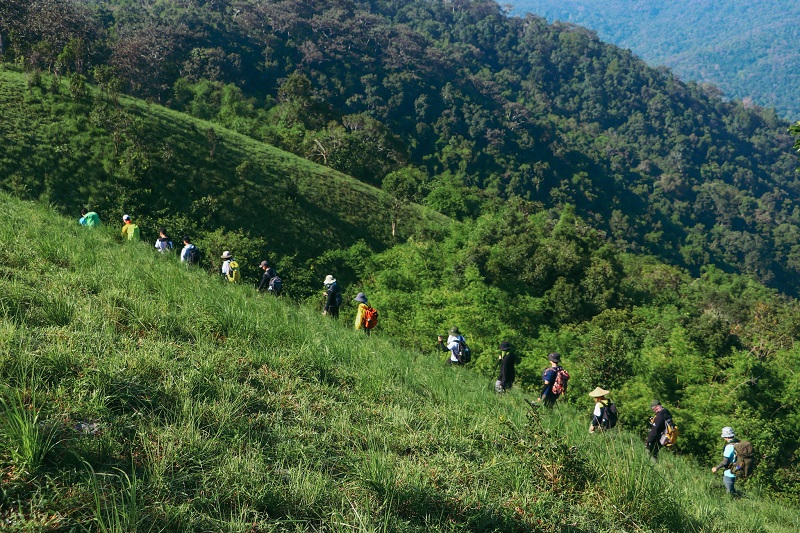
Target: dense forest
744,48
570,197
464,102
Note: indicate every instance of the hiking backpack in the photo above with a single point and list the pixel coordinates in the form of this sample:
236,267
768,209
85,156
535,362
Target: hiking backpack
370,317
338,299
609,418
743,462
275,285
193,255
560,383
233,272
670,434
464,353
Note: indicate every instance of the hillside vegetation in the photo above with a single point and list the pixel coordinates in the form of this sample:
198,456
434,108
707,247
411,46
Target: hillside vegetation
139,396
118,155
467,104
748,50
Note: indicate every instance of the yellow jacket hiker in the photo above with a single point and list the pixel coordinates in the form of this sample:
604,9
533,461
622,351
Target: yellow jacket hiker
130,231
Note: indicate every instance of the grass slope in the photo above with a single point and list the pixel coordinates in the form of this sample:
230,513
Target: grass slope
139,396
166,168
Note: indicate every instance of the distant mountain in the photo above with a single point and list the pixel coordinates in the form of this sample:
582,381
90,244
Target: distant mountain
748,49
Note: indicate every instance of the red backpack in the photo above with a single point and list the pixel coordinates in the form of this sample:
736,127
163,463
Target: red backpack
370,317
560,383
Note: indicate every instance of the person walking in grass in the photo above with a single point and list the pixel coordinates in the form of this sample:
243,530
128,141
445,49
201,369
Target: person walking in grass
604,415
130,231
366,316
554,381
454,345
333,297
728,458
90,219
230,267
658,425
163,243
266,277
507,372
189,254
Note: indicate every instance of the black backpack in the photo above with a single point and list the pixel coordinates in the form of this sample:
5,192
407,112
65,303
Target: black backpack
275,285
609,418
193,255
464,353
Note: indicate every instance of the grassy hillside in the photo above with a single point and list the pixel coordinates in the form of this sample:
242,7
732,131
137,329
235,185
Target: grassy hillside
76,148
139,396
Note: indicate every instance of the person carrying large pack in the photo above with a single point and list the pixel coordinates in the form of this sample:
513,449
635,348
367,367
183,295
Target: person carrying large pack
663,430
267,277
190,254
460,353
604,415
230,267
737,460
554,380
366,316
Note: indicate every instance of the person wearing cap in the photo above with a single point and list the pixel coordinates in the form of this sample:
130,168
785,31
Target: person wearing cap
269,273
454,340
728,457
600,406
163,243
333,297
89,219
547,396
130,231
658,424
361,318
507,372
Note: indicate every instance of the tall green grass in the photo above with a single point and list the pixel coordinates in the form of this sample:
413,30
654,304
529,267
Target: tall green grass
210,407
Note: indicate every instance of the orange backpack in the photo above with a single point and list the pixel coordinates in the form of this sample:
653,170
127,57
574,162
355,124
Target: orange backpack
370,317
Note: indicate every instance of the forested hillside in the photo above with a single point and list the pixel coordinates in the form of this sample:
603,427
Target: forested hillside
747,49
537,186
465,103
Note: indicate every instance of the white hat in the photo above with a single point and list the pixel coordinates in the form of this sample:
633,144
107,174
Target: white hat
329,280
126,217
727,432
226,254
598,392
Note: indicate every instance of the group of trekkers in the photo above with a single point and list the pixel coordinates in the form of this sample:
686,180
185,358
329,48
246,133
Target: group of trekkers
271,282
737,455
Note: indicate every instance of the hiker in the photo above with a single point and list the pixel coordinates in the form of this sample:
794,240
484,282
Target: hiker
366,317
230,268
455,344
507,373
189,254
658,425
163,243
728,458
604,415
88,218
266,277
333,297
554,380
130,231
